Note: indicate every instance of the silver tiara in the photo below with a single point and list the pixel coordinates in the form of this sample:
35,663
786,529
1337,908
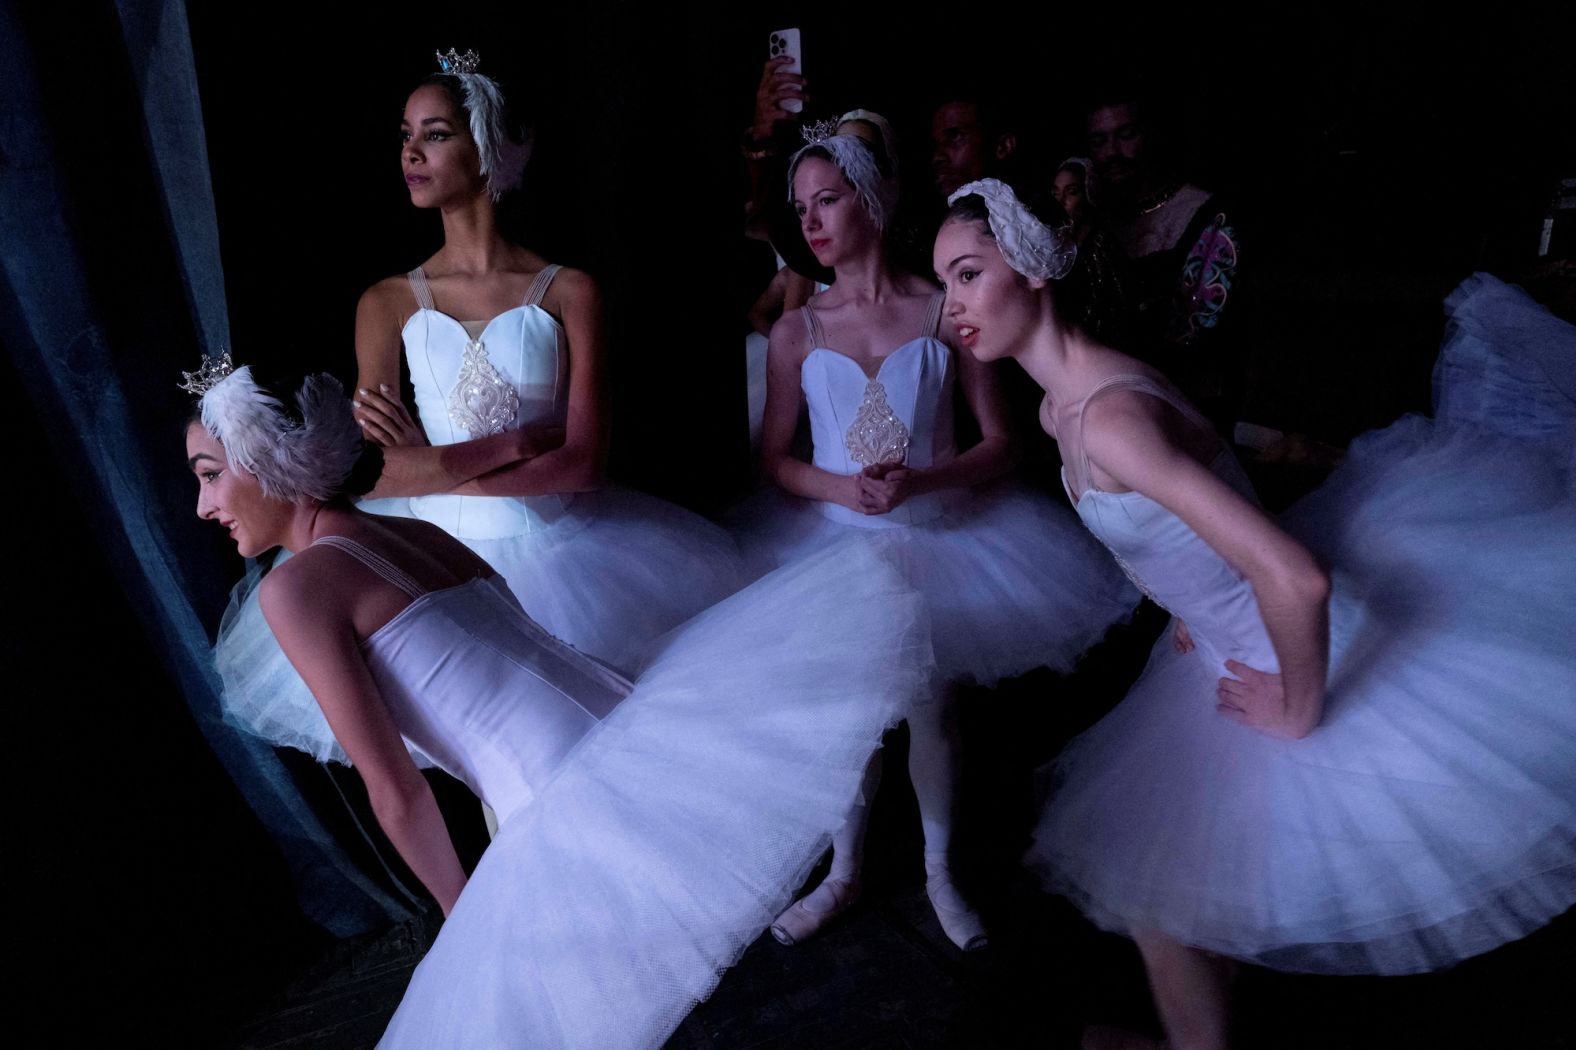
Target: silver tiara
214,371
455,63
819,132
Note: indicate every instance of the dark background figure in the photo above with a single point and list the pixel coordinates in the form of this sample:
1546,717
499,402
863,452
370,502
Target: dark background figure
1182,244
1097,289
154,899
970,138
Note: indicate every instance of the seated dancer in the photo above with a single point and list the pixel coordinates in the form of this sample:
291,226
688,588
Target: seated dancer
649,831
870,358
511,431
1356,750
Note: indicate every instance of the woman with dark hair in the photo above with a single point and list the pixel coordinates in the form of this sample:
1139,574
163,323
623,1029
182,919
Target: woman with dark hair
1353,753
648,831
870,359
506,356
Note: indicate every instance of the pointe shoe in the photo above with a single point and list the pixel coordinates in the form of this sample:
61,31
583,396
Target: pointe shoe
960,922
807,915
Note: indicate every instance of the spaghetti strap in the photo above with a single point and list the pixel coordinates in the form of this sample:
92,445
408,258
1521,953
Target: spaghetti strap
931,328
419,288
374,561
812,325
538,290
1143,385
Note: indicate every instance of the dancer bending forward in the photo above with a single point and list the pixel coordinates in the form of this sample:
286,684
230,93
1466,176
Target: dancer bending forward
1354,752
649,832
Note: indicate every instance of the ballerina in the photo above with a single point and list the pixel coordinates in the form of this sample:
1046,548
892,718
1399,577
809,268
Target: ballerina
648,831
869,357
1364,768
512,431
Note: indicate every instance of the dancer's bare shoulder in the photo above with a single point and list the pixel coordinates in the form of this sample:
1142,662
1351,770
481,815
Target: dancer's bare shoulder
389,301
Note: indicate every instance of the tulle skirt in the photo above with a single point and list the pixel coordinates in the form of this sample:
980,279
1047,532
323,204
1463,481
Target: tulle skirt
1012,579
1432,814
609,577
677,831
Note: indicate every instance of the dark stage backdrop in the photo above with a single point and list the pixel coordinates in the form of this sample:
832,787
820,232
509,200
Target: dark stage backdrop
174,179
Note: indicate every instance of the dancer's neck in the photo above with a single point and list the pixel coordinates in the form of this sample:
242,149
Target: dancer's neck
471,241
870,278
311,522
1055,355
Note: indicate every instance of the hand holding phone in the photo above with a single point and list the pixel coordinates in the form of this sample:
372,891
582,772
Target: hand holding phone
786,43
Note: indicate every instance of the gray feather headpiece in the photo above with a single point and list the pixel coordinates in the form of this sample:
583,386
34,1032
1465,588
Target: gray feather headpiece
503,160
293,460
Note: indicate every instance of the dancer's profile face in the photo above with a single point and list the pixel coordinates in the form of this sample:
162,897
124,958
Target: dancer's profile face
437,153
834,222
232,497
989,306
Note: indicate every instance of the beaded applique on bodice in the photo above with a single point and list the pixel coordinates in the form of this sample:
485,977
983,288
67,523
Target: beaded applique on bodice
901,414
514,371
876,435
473,382
483,402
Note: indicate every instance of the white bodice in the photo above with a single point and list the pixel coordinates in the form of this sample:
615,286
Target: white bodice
902,414
1166,559
515,372
477,686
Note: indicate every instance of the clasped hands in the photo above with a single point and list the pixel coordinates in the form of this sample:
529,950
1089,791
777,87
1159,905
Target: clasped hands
883,487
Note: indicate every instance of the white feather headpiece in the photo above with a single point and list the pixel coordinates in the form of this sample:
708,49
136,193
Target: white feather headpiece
502,159
292,461
1029,246
853,157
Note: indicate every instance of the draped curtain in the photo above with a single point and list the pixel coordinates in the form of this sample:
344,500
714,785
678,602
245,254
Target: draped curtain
110,284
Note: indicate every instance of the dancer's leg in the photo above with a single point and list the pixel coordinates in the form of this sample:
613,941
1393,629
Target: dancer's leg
1192,991
934,755
840,889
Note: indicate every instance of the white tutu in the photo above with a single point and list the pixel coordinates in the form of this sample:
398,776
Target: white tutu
678,830
1506,364
755,383
1011,579
609,576
1432,814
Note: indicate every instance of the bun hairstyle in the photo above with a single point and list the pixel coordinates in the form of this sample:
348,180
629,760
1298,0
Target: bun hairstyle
295,434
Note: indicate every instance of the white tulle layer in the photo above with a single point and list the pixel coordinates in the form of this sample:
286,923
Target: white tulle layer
1012,579
674,835
1432,815
1506,364
610,577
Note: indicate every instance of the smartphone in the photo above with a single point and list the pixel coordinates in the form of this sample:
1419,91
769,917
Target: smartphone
786,42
